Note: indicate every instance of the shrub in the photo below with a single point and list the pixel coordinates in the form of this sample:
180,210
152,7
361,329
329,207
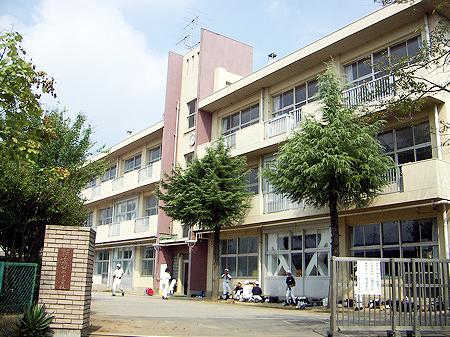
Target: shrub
35,322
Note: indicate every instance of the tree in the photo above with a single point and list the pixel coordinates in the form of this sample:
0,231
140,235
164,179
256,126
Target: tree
21,87
46,190
209,194
333,161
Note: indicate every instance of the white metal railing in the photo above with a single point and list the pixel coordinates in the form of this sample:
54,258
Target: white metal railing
283,124
117,183
274,202
96,191
376,89
142,224
114,229
394,180
145,173
230,140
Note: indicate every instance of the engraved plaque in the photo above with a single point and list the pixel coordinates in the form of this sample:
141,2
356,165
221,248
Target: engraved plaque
64,268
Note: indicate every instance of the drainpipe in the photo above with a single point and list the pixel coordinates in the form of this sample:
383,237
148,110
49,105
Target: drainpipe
444,203
176,135
438,133
427,31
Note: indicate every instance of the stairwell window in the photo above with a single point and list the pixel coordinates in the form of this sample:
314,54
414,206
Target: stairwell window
252,180
192,113
240,120
134,163
151,206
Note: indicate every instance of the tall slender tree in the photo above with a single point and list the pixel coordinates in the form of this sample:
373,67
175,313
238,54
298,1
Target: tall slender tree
210,194
334,160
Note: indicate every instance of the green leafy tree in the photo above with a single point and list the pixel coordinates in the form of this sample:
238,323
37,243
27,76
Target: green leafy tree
210,194
46,190
21,87
334,161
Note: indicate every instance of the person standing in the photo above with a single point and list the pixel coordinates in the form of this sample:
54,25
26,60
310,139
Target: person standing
226,277
165,278
290,285
117,279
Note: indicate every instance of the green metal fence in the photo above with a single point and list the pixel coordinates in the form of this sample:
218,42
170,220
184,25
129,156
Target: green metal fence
17,286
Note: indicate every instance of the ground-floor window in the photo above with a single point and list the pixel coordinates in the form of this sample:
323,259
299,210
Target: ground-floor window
240,256
148,259
102,264
406,239
304,252
124,257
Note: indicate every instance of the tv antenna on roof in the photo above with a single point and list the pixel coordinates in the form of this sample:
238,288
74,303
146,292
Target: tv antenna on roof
190,34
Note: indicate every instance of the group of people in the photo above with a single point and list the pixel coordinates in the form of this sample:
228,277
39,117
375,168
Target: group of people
251,291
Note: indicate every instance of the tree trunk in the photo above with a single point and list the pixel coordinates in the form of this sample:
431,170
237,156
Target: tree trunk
215,265
334,219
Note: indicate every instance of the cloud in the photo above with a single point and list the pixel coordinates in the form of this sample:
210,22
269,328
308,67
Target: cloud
276,8
103,67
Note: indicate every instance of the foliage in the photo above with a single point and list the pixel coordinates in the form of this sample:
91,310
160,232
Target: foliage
35,322
47,190
21,86
335,161
210,193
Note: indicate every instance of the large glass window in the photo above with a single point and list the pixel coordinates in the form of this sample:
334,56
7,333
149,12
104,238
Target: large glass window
110,173
151,206
252,180
124,257
154,154
406,238
102,264
408,144
240,120
305,253
240,256
126,210
192,113
133,163
106,216
148,260
294,98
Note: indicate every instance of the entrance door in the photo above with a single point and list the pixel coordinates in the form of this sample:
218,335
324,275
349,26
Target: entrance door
185,276
124,257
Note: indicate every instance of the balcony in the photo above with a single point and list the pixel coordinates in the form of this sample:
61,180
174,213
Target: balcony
114,229
96,191
117,183
375,90
274,202
230,140
394,180
145,173
143,224
283,124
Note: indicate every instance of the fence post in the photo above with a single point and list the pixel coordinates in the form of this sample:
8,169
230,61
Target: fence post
332,298
395,333
415,328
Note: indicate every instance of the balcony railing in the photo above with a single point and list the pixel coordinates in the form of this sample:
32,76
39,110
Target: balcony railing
283,124
374,90
96,191
145,173
230,140
274,202
117,183
394,180
142,224
114,229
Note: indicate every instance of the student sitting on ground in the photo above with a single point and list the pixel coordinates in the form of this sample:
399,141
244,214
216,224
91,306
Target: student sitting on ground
237,291
247,294
257,292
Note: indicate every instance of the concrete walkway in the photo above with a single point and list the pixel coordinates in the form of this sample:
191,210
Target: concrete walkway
151,316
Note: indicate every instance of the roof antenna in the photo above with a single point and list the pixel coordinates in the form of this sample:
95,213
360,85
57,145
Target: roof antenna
189,34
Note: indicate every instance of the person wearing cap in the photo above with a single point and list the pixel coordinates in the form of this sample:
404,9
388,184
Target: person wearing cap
290,285
247,294
165,279
117,279
257,292
238,291
226,280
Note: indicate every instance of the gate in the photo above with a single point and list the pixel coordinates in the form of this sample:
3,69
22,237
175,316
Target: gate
17,286
390,295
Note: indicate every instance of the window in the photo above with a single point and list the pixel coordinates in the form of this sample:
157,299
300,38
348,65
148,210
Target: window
189,157
124,256
406,239
151,205
305,253
408,144
294,98
133,163
374,66
91,183
90,220
252,180
106,216
240,120
240,256
192,113
148,259
102,263
126,210
110,173
154,154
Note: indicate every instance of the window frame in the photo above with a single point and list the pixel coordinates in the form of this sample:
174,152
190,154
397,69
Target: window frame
118,214
295,104
149,261
151,208
192,113
252,185
107,175
151,151
133,159
236,255
239,114
104,220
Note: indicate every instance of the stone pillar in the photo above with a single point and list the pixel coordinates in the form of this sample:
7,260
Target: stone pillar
66,278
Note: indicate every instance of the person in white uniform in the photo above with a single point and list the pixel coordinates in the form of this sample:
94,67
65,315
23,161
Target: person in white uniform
165,279
226,280
117,279
247,294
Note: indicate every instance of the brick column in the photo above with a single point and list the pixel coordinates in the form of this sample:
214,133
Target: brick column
66,278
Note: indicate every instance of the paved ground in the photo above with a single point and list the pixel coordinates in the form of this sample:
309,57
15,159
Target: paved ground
151,316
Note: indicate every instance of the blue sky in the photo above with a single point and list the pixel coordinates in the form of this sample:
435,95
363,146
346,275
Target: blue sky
109,56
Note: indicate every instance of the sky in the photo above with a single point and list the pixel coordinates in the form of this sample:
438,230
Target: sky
109,57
